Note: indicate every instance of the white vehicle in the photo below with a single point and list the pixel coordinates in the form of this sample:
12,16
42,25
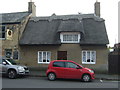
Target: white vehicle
8,67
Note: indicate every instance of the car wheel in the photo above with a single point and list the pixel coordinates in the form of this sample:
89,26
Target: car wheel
51,76
12,74
86,78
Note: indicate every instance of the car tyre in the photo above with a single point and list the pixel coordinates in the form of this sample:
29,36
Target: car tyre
12,74
86,78
51,76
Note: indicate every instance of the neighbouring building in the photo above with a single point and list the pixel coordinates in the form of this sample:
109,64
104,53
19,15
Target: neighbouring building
81,38
114,60
11,28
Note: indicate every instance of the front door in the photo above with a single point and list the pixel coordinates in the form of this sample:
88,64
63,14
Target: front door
62,55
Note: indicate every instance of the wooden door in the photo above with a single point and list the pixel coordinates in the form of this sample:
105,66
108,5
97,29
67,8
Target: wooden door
62,55
113,64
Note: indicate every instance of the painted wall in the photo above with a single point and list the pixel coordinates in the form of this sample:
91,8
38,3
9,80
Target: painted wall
29,55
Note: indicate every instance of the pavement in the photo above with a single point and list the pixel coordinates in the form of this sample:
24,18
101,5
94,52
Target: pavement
97,76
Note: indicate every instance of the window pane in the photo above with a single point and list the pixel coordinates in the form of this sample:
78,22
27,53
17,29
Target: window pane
67,38
93,56
3,28
71,65
8,53
73,37
2,32
84,57
88,56
58,64
64,37
40,56
76,37
48,56
70,37
44,56
15,55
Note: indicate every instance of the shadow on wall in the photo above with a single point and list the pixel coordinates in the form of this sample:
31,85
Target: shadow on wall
38,68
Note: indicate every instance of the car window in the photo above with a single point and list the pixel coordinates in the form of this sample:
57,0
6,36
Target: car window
58,64
3,60
12,61
71,65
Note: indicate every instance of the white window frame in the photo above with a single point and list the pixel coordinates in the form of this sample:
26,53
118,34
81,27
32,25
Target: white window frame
69,33
42,57
90,57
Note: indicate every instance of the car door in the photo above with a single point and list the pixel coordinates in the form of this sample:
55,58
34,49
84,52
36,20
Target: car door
4,66
72,70
59,69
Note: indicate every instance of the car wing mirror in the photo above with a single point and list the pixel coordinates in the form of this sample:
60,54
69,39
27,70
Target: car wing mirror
78,67
4,63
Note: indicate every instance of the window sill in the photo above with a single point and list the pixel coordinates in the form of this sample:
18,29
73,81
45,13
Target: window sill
88,63
2,39
70,42
43,62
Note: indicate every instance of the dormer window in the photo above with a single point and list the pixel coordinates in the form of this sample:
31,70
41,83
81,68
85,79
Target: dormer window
70,37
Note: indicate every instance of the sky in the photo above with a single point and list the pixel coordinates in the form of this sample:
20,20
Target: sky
109,11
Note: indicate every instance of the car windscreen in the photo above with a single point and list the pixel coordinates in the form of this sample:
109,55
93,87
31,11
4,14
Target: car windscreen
12,61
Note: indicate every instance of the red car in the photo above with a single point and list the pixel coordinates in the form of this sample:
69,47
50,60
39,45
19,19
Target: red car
69,70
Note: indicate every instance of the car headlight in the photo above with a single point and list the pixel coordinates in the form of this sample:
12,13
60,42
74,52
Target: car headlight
91,71
21,69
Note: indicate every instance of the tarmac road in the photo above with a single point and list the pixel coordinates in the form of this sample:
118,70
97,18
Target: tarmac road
43,82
